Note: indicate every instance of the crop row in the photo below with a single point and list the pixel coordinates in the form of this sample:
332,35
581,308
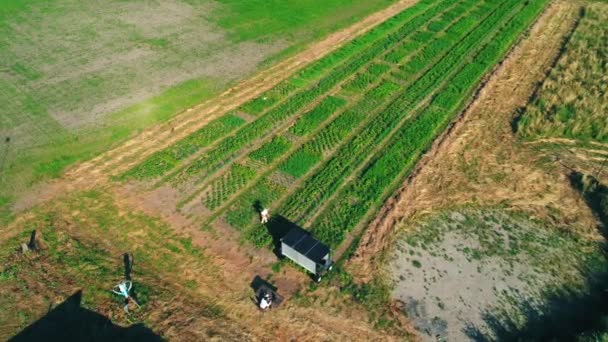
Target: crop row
364,79
365,40
222,188
251,202
275,148
299,162
309,154
311,120
271,150
225,149
440,71
337,130
321,185
386,170
269,98
162,161
455,33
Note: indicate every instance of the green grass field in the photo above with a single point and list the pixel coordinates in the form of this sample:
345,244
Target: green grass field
77,78
331,143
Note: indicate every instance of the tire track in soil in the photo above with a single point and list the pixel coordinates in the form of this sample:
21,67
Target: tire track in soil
486,121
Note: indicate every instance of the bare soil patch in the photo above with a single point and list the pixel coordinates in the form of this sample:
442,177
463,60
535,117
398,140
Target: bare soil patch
457,271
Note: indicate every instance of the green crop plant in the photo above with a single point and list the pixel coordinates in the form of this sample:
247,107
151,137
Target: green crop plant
377,69
271,150
220,189
161,162
399,53
249,205
322,184
269,98
300,162
330,175
312,119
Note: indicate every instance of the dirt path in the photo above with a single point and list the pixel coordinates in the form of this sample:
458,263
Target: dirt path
479,160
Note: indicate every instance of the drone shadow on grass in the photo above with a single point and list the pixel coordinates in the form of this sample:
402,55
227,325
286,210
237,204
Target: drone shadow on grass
69,321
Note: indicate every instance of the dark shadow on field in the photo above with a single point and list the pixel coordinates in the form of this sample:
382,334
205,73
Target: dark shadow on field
71,322
258,283
567,314
277,227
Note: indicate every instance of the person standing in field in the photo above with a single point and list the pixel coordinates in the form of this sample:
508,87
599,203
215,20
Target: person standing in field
264,215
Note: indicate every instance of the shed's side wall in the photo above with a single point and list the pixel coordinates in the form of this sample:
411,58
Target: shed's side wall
298,258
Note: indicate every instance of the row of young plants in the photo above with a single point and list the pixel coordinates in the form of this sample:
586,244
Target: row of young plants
226,149
299,163
311,152
325,141
162,162
371,187
303,159
272,150
220,189
414,64
320,186
364,79
439,72
315,70
365,40
311,120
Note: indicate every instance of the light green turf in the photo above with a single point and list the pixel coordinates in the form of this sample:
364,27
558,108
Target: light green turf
255,19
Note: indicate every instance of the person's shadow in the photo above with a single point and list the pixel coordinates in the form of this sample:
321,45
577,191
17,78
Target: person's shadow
259,285
278,226
71,322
